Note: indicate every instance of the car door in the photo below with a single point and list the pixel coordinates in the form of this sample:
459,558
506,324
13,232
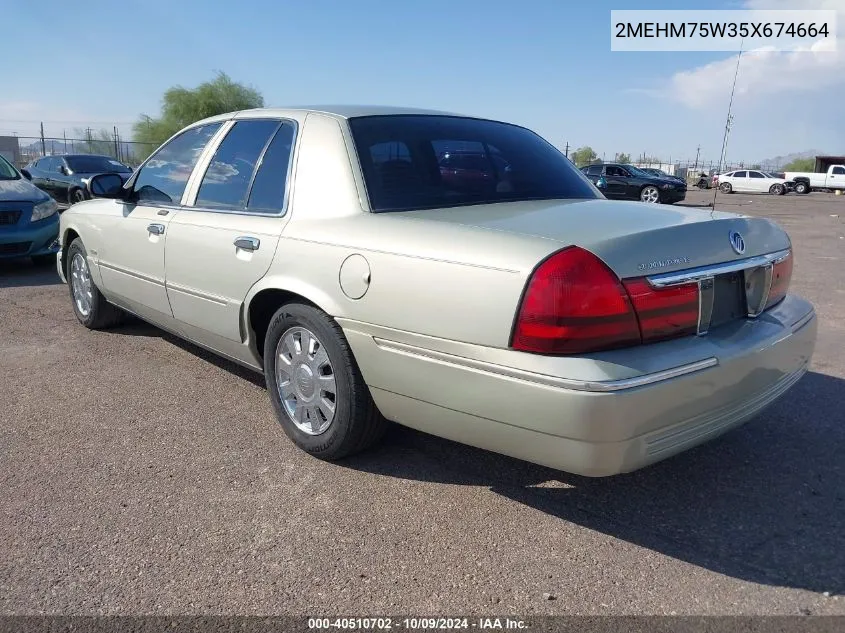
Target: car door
757,182
133,235
41,175
836,180
617,182
224,240
739,181
61,180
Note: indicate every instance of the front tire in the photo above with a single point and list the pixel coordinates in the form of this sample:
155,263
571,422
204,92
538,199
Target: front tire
90,306
76,195
650,194
315,386
725,187
777,190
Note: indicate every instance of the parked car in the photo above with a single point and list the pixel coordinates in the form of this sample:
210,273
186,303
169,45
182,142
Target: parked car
626,182
29,223
659,172
538,320
753,181
805,181
65,177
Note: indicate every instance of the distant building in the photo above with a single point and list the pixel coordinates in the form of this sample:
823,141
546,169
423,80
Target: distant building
10,149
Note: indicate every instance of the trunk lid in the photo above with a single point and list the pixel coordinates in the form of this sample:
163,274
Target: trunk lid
633,238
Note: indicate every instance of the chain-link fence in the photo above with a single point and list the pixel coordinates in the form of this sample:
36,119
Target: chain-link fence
22,150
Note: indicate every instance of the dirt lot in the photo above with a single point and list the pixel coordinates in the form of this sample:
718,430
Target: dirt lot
141,475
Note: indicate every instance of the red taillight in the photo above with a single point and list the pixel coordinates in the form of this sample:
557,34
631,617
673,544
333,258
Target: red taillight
574,304
781,276
664,312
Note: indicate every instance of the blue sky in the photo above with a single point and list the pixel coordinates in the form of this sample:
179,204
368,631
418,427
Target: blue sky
545,64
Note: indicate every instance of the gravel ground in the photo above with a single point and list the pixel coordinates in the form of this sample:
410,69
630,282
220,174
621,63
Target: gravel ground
140,475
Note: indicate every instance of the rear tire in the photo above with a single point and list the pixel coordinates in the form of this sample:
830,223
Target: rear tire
90,306
316,388
725,187
802,187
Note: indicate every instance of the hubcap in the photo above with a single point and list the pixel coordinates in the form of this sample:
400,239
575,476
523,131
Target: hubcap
80,284
650,194
306,381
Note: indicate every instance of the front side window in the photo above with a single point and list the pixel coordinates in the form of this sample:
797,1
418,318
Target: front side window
164,176
755,174
430,161
227,179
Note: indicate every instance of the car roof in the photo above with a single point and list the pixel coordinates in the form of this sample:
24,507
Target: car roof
336,111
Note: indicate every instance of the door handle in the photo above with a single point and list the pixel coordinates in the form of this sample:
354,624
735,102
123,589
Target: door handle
248,243
156,229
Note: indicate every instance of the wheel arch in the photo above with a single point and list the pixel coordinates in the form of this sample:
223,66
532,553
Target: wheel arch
269,295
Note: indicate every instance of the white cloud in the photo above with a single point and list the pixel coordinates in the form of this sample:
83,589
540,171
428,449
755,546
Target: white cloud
765,73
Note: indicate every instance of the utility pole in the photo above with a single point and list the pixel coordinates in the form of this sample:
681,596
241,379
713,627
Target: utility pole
64,137
116,153
697,153
567,149
43,144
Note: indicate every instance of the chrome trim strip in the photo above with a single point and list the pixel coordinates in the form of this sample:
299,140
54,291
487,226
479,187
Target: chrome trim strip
804,320
695,274
706,294
131,273
197,293
501,371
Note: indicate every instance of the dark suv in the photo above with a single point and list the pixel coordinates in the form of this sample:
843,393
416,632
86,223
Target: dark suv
65,177
626,182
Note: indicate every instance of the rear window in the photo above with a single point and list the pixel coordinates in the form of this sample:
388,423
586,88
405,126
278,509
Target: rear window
423,161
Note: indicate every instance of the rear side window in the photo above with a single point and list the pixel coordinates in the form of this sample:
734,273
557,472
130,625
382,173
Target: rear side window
228,177
269,189
740,174
839,171
430,161
594,170
163,177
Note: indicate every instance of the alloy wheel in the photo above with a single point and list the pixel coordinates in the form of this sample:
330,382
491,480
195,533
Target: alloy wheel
306,381
80,283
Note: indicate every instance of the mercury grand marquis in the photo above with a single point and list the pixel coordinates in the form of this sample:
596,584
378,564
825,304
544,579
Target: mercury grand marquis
337,251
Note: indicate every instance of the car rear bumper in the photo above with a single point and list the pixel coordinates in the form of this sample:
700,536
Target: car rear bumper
30,239
595,428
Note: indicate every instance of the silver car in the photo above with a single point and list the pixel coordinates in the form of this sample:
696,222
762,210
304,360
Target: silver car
501,302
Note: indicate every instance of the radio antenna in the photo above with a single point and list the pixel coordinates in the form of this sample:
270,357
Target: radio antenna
728,121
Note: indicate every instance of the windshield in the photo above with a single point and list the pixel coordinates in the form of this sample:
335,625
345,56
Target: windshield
426,161
96,165
7,172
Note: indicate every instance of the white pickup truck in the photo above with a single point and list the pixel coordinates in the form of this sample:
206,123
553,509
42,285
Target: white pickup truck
805,181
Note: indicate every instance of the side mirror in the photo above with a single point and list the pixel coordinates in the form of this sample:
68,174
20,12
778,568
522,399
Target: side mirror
63,170
106,186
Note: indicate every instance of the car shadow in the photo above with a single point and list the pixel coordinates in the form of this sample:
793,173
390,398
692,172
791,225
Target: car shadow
134,326
764,503
21,272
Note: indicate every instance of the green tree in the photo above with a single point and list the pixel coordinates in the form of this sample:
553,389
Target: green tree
623,158
94,142
801,164
183,106
584,156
